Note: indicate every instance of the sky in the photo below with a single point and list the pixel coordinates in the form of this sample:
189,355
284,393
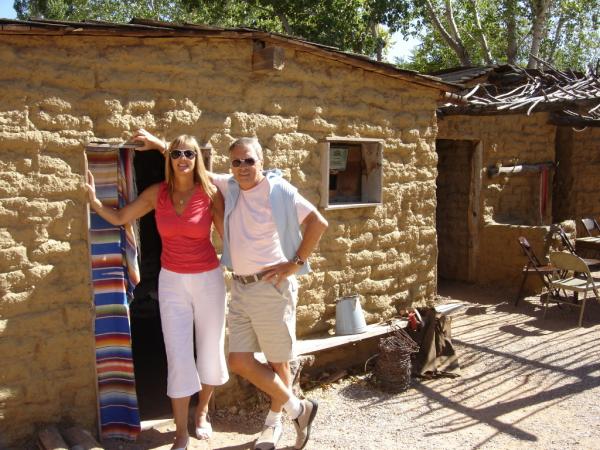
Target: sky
6,9
401,48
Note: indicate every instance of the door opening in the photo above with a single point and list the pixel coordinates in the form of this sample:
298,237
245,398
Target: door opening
457,213
149,357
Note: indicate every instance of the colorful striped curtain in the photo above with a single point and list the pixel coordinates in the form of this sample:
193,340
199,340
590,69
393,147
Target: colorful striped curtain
115,273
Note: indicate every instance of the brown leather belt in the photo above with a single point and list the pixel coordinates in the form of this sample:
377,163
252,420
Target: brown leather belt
247,279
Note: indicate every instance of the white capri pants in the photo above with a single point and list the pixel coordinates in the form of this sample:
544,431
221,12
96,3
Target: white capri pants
188,303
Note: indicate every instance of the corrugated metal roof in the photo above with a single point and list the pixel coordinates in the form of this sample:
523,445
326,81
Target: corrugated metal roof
152,28
463,75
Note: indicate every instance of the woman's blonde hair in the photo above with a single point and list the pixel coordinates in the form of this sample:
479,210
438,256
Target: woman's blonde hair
187,142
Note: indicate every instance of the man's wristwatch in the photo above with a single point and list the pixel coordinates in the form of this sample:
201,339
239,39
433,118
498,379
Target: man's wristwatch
296,260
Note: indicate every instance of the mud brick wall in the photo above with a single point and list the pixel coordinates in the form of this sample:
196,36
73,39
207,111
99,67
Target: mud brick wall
46,344
507,201
62,91
577,184
501,244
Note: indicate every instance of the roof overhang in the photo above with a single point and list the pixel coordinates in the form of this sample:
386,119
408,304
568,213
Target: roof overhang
155,29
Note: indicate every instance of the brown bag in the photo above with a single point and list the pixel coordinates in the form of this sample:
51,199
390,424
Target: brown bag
436,356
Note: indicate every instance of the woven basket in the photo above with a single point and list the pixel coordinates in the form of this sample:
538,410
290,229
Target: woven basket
393,366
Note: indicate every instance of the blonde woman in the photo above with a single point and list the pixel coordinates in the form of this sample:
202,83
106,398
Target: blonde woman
191,286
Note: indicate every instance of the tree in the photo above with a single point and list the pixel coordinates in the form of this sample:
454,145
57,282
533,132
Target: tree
107,10
467,32
351,25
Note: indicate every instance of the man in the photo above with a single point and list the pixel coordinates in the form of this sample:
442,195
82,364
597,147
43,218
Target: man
263,245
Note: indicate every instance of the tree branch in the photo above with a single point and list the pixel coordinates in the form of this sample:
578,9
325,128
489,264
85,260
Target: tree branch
487,55
538,29
455,44
554,43
284,21
449,13
511,31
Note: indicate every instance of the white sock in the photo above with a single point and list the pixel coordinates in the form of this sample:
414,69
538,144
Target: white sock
273,417
293,407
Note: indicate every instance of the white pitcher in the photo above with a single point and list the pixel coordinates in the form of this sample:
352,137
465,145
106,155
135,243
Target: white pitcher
349,317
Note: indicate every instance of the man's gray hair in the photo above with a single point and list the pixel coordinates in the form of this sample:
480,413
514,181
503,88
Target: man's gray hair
248,142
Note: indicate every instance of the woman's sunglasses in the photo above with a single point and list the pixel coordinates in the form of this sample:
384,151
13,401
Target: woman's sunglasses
243,162
176,154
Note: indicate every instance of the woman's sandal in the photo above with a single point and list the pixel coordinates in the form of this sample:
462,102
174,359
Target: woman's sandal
204,432
184,447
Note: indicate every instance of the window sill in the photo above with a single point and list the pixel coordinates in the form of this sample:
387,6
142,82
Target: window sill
351,205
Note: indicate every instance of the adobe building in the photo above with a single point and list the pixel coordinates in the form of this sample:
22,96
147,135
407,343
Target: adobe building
517,156
355,136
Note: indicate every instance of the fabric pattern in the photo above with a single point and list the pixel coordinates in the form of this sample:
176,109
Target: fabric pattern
114,273
129,232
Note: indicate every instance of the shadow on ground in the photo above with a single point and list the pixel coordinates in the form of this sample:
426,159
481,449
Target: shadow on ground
517,368
526,381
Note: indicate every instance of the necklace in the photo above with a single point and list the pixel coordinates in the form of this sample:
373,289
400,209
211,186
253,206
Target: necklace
184,194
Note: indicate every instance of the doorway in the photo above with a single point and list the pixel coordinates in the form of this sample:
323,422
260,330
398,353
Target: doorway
458,186
149,356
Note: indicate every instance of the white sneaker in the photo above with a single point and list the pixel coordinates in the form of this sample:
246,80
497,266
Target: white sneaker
269,437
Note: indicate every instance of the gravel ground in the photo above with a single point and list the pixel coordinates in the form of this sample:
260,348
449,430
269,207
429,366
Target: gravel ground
524,382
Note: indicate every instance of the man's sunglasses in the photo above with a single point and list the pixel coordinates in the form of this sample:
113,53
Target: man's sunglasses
243,162
176,154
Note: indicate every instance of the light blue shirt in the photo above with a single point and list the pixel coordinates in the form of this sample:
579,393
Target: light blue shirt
281,199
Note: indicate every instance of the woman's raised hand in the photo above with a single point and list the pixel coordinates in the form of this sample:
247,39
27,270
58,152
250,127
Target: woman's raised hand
149,141
90,187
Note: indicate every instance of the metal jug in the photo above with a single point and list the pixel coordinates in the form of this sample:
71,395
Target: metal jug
349,317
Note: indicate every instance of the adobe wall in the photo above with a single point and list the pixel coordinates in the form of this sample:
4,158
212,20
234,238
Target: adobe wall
507,202
61,92
577,185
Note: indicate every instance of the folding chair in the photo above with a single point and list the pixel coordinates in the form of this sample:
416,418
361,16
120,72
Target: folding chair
533,266
566,279
591,262
591,227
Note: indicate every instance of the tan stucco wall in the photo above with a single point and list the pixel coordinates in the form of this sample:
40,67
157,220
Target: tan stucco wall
60,92
578,183
507,202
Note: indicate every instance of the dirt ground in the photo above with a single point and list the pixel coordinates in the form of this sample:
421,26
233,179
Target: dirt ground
526,382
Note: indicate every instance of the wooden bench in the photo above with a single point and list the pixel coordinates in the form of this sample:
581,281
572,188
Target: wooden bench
310,346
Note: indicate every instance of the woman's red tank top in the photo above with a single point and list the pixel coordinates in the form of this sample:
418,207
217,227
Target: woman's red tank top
186,245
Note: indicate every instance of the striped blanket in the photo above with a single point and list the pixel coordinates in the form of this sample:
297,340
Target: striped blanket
114,275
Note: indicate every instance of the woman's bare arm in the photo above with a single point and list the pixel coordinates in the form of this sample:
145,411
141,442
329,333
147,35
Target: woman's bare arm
149,141
142,205
218,212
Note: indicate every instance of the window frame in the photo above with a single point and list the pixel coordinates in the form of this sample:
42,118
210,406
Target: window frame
377,197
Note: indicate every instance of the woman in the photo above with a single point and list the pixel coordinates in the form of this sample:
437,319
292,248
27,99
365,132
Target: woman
191,287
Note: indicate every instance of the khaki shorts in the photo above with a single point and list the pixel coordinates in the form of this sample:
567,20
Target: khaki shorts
262,317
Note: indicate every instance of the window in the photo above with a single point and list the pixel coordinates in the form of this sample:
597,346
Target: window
351,172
